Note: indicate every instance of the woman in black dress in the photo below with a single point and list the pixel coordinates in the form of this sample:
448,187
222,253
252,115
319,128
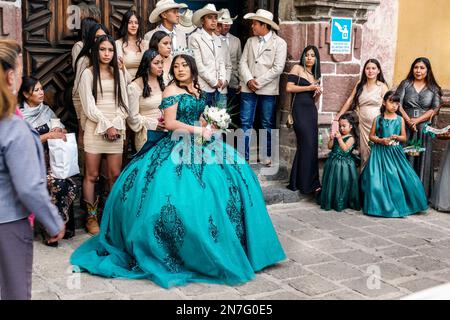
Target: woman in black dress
420,95
304,82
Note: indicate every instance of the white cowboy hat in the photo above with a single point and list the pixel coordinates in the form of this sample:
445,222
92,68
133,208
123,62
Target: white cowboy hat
225,17
186,18
263,16
208,9
164,5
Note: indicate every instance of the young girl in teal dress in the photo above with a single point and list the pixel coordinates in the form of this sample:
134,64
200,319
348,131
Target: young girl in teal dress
390,186
340,178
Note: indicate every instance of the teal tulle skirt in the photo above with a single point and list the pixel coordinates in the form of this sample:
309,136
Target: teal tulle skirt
175,222
390,186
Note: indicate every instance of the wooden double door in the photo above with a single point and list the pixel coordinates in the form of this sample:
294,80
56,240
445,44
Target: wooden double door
49,33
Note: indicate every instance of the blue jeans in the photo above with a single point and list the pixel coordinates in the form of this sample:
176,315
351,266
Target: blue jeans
266,105
216,99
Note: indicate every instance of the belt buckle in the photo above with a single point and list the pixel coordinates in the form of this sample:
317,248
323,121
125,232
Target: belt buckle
416,113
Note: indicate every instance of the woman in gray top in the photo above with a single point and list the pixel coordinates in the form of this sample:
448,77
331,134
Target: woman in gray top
23,185
420,95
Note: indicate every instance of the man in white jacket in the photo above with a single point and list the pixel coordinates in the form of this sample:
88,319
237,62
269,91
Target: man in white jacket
261,65
209,57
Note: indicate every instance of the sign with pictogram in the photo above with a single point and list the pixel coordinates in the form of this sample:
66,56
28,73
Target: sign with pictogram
341,36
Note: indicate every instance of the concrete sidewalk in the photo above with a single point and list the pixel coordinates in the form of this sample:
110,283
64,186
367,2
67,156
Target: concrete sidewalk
331,255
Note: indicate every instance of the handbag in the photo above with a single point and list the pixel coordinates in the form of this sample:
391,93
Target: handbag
290,117
63,157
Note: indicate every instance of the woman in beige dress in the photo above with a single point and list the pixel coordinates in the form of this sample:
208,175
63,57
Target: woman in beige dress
81,53
366,99
131,44
161,42
104,100
144,96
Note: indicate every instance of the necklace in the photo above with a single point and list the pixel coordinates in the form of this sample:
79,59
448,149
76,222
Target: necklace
307,71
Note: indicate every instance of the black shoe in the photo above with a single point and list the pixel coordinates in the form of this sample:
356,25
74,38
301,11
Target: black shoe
69,234
51,244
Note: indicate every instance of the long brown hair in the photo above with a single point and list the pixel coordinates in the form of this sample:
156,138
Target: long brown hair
7,99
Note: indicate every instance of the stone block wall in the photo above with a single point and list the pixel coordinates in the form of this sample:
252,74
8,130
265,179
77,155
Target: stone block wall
11,19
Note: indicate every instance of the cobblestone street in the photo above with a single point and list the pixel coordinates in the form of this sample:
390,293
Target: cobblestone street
331,255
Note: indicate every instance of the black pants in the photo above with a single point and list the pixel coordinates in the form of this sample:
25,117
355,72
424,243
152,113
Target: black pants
16,260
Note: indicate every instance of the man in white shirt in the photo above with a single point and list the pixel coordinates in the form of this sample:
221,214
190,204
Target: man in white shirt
233,45
168,12
209,57
261,65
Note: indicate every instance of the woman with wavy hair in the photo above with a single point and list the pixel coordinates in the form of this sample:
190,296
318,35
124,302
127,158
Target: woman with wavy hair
365,100
420,96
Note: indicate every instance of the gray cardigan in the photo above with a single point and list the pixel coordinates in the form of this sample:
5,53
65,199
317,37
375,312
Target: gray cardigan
23,177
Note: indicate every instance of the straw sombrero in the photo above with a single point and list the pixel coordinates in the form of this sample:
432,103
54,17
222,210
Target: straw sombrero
263,16
162,6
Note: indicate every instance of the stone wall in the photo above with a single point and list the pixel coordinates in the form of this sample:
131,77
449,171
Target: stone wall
339,72
11,19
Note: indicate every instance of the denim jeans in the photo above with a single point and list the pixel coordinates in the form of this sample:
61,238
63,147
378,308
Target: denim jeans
266,105
216,99
234,100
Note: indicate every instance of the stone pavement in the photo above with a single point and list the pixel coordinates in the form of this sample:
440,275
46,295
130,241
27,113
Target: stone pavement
331,255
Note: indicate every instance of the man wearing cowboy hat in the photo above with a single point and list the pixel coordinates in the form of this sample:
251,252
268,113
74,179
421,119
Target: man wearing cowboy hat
214,75
260,67
168,12
234,49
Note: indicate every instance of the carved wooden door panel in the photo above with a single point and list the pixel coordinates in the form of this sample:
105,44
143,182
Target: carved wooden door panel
49,32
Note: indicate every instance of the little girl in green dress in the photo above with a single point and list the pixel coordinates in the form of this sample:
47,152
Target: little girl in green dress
340,177
390,185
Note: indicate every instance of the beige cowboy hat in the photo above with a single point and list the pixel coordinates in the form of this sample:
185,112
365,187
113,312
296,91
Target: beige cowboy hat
186,18
263,16
225,17
164,5
208,9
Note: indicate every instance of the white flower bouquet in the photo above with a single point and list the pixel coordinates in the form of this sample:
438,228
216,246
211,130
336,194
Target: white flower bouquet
217,117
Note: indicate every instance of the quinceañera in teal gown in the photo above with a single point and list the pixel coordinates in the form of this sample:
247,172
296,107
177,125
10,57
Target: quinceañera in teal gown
390,185
174,220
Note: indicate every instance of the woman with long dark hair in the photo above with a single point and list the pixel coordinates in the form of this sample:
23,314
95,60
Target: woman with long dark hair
39,115
304,82
365,99
420,95
104,101
144,96
184,211
131,44
81,60
160,41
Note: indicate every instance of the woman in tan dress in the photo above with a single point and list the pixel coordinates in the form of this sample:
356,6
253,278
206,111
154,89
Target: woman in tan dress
144,96
366,99
104,100
131,45
81,53
161,42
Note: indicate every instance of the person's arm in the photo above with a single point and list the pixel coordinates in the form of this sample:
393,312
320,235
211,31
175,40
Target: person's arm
401,90
345,146
203,72
135,120
402,136
346,105
26,166
90,107
374,138
292,87
277,68
331,141
244,70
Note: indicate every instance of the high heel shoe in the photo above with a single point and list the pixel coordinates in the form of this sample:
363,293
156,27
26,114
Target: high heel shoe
45,238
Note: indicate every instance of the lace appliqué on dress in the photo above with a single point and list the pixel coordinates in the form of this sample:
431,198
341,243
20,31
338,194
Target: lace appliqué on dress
169,232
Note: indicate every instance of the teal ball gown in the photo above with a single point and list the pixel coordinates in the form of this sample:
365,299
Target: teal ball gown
340,188
390,186
175,221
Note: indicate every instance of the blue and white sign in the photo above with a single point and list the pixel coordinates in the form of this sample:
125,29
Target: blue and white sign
341,36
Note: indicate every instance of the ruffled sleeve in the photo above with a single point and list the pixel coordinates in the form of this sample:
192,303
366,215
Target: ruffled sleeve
89,106
169,101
